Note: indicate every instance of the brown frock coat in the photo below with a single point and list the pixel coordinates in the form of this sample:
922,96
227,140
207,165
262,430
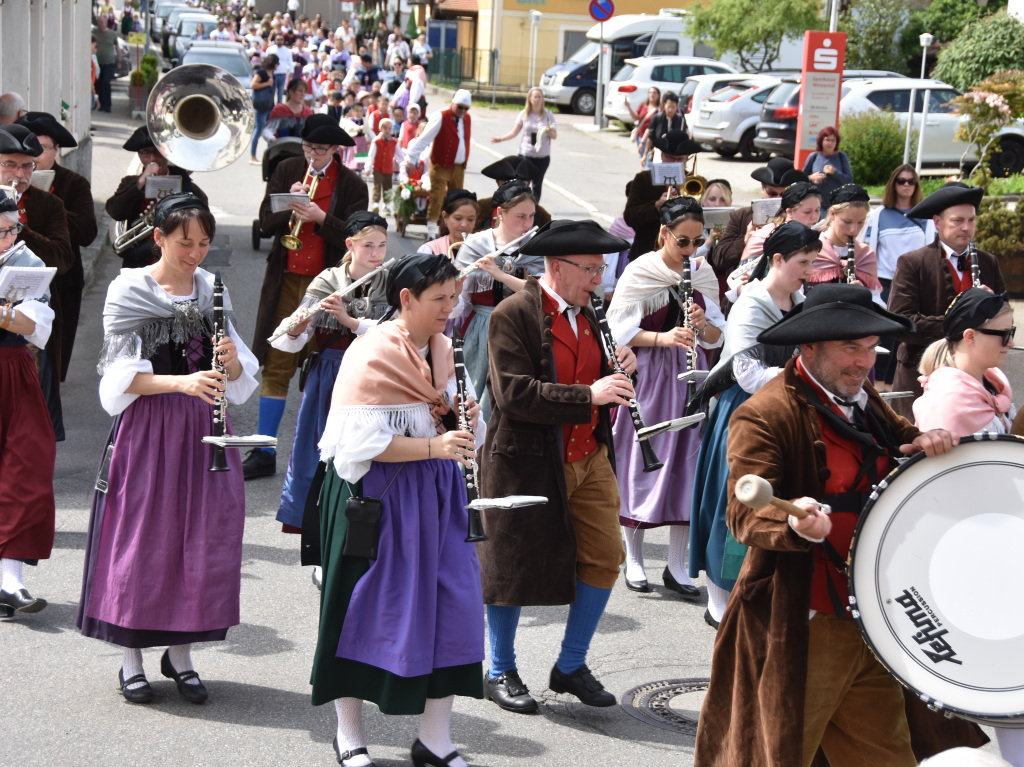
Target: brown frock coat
530,555
641,214
922,289
754,710
350,194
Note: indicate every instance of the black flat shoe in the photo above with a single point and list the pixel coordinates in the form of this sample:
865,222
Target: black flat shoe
683,589
259,463
344,756
143,694
421,755
583,685
642,586
708,619
21,601
509,692
193,693
318,578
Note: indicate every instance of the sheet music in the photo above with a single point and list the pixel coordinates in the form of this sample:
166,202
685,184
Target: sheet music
717,217
158,187
43,179
764,210
23,283
667,173
280,202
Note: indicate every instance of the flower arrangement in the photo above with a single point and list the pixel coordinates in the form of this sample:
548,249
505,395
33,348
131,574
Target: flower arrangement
401,200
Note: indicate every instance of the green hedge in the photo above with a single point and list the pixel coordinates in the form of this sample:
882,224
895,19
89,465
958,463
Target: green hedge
874,143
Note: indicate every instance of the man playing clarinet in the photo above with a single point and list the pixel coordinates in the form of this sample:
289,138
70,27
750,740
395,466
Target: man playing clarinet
551,385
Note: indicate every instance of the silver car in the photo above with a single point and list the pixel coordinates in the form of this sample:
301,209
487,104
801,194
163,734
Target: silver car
726,120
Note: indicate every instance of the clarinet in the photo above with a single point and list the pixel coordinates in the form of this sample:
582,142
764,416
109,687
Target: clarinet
651,462
684,320
469,473
850,264
972,254
220,405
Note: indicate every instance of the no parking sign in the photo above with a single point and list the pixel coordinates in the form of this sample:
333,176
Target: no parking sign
601,10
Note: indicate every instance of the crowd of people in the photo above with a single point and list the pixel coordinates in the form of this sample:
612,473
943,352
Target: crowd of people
524,352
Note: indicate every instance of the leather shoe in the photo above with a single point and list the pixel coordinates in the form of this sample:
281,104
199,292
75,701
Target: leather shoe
583,685
318,578
684,589
259,463
642,586
141,694
708,619
193,693
509,692
344,756
421,755
21,601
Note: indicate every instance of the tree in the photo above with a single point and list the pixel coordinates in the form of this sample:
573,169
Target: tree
993,44
946,19
873,34
753,30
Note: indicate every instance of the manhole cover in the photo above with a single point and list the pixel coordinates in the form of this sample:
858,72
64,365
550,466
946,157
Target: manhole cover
655,703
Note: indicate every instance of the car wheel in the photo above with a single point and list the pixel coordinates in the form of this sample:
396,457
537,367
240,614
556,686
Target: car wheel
748,151
584,102
726,152
1010,157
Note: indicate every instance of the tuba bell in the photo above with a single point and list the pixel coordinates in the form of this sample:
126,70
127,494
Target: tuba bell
694,185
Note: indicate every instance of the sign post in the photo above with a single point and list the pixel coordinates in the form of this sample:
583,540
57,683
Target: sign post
824,55
601,11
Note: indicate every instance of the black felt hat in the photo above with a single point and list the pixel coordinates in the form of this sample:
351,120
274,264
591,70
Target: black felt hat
501,170
677,143
17,139
408,271
139,140
361,219
789,238
45,124
509,191
835,312
173,202
797,193
772,173
849,193
564,237
324,129
458,194
7,205
946,197
679,206
971,309
793,176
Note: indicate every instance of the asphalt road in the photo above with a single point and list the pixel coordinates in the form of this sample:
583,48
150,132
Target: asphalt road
60,704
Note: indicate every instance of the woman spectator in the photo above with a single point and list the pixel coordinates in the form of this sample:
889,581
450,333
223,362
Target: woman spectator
160,505
28,448
717,194
200,32
262,85
386,447
891,234
288,117
537,125
642,116
647,315
458,219
845,219
827,167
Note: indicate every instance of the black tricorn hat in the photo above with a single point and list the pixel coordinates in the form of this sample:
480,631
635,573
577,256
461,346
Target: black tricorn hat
502,170
17,139
772,173
677,143
677,207
946,197
564,237
45,124
835,312
140,139
324,129
792,176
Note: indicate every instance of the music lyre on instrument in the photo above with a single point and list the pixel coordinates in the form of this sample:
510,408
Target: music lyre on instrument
291,240
651,462
692,375
850,263
220,405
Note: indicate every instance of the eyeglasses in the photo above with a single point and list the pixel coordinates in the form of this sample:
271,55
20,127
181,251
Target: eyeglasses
592,271
29,166
320,151
1006,335
907,181
684,242
13,230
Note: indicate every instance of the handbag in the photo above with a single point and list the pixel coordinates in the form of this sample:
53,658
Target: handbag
363,514
263,99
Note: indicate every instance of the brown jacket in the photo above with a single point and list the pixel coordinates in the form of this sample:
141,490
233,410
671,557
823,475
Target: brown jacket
754,710
922,290
641,214
350,194
530,555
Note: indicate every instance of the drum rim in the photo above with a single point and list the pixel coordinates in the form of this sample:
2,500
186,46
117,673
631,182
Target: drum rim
1015,720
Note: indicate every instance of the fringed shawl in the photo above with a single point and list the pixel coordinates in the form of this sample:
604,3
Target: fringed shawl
646,282
959,402
828,266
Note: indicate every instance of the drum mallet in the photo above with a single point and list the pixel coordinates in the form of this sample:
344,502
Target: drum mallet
756,492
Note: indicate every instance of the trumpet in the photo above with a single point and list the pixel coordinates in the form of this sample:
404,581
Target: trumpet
507,264
972,254
141,230
291,240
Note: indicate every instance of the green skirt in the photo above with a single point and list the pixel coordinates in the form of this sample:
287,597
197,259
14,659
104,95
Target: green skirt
335,677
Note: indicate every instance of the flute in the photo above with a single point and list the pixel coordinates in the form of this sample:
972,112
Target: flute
469,473
220,405
499,252
850,264
972,255
651,462
12,251
319,305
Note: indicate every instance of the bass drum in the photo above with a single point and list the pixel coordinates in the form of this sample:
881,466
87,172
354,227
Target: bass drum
935,564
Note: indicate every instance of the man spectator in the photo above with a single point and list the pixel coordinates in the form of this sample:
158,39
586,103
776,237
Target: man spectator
106,55
221,32
285,65
448,133
380,42
12,106
364,75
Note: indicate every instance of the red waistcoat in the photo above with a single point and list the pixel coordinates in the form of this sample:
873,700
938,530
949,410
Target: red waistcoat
446,142
384,159
311,259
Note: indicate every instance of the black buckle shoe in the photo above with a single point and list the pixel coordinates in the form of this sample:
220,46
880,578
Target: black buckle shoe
710,620
20,601
683,589
422,756
344,756
141,694
583,685
509,692
259,463
193,693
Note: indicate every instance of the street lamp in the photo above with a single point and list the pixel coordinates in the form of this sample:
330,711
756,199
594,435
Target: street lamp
926,41
535,17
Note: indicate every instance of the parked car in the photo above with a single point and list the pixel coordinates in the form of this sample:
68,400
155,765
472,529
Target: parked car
169,27
776,129
668,73
726,120
161,11
187,25
697,88
229,56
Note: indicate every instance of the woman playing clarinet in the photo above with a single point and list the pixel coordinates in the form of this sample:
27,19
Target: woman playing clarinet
157,505
401,613
647,314
27,445
844,221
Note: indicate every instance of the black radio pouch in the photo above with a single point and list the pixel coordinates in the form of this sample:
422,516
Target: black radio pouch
363,536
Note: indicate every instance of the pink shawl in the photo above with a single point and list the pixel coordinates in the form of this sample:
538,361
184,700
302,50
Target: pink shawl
958,402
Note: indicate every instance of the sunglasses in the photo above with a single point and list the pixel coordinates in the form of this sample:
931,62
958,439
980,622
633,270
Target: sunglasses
907,181
1006,335
684,242
592,271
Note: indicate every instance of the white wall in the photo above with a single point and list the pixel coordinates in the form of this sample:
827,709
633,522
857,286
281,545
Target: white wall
1016,8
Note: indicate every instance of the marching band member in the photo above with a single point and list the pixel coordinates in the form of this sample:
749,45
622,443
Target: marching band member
503,171
339,193
550,435
401,623
335,329
27,446
458,220
800,201
646,315
849,208
157,505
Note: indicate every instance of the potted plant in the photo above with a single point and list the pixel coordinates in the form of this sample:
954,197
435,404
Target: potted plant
141,82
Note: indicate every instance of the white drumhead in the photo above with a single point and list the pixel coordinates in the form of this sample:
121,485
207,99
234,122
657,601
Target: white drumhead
935,568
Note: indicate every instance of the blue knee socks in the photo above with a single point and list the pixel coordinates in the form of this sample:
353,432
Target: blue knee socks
271,413
502,623
584,615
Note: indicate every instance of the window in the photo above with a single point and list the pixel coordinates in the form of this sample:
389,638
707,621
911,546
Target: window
938,101
761,95
625,73
712,70
727,93
664,46
672,73
893,101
